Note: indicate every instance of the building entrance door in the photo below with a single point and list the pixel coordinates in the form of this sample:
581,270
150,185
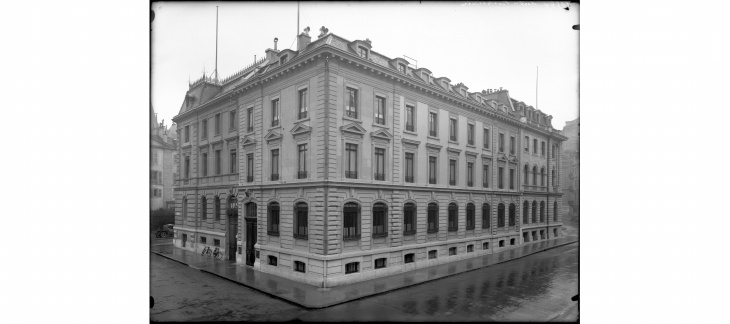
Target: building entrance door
250,233
232,231
185,239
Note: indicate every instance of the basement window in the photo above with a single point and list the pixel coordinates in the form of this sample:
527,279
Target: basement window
452,251
379,263
216,242
555,232
352,267
432,254
511,241
409,258
203,240
501,243
299,266
485,246
272,260
470,248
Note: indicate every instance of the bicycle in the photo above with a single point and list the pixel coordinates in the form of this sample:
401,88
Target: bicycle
217,254
207,251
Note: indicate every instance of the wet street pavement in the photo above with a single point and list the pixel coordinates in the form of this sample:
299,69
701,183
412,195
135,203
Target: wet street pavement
534,288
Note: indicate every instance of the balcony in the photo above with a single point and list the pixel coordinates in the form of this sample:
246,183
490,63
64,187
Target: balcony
432,180
409,179
380,176
302,175
249,178
351,174
409,127
274,176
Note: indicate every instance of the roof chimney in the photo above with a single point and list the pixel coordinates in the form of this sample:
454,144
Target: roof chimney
303,40
276,40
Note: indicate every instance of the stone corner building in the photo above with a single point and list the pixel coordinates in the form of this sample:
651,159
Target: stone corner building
345,165
163,170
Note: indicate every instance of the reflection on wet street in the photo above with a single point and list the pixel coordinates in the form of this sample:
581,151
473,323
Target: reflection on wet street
535,288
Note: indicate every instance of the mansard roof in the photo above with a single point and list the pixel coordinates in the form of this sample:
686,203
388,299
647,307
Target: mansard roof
206,90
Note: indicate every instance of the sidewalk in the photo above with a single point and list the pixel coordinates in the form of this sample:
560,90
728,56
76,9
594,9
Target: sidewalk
312,297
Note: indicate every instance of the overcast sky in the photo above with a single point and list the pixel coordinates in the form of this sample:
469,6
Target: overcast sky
481,44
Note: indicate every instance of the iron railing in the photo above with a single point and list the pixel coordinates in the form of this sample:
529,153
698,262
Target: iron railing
274,176
351,174
380,176
302,175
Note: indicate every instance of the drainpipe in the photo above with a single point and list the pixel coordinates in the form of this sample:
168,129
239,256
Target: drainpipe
197,205
326,165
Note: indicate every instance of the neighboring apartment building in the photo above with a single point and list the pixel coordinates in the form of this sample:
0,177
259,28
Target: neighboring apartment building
354,165
571,169
163,150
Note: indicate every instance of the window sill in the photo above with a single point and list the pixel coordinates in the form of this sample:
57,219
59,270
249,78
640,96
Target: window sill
301,237
275,127
434,138
381,125
351,238
272,233
471,146
303,119
453,142
453,229
409,232
410,133
380,235
431,231
357,120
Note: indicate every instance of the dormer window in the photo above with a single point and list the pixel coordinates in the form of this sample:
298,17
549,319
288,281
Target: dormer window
402,68
363,52
425,77
282,60
446,85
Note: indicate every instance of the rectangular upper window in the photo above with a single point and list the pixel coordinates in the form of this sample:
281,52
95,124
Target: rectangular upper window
470,174
410,118
534,145
452,172
217,124
470,134
351,161
542,148
249,167
409,167
187,133
303,95
512,145
527,144
204,129
275,112
512,179
274,164
501,142
432,123
249,119
302,165
402,68
486,138
217,162
233,161
485,176
232,120
432,170
452,129
187,167
380,110
379,164
500,177
204,164
351,103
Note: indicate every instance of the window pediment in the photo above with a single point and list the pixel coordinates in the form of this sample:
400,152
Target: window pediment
248,141
406,141
381,134
354,128
272,136
454,150
434,146
300,128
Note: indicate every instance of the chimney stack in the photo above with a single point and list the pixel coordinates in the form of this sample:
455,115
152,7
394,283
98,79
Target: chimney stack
276,40
303,40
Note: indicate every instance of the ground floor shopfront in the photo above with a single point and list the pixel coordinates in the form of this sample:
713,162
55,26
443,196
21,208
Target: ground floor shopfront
343,233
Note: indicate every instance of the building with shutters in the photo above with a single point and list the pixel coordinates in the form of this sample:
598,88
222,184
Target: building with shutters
344,165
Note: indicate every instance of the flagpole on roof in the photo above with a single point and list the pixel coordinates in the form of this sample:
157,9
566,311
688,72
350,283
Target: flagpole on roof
216,43
297,34
537,76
